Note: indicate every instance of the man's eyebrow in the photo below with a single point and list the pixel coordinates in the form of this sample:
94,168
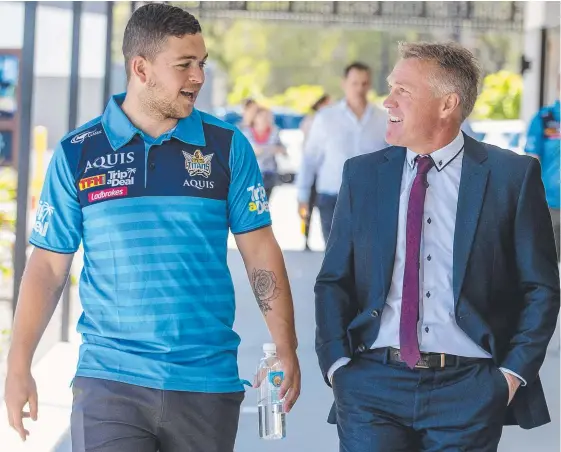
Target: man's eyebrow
192,57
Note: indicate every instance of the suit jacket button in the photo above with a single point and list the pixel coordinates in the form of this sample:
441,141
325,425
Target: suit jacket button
361,348
375,313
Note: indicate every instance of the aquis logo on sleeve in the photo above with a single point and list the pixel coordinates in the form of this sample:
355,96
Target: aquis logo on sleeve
107,193
198,164
90,182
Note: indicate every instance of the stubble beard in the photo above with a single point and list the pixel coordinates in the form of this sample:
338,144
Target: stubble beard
155,103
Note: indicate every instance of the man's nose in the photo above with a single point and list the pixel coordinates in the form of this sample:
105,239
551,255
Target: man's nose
197,76
389,102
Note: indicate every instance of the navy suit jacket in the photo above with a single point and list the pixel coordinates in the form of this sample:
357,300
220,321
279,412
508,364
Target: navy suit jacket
505,273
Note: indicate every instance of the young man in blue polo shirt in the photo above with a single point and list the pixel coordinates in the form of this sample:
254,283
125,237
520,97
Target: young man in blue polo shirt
151,189
543,142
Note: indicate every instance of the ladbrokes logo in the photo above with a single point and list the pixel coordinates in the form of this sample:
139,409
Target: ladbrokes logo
93,181
107,193
259,202
82,136
198,164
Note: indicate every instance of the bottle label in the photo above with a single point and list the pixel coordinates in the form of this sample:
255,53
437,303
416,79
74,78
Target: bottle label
276,378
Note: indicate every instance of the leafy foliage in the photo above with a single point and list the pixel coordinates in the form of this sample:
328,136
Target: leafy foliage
8,184
500,97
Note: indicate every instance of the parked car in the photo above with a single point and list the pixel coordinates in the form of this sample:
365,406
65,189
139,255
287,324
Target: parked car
507,134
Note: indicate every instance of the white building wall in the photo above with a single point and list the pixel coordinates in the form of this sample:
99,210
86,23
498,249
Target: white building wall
538,15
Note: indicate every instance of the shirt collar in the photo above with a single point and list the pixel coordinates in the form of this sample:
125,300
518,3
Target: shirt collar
120,130
367,112
441,157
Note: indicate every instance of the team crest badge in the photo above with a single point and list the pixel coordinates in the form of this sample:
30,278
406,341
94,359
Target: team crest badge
198,164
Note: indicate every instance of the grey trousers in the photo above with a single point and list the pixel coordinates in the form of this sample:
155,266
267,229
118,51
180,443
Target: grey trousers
109,416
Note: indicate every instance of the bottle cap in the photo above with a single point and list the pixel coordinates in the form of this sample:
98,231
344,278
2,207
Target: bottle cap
269,348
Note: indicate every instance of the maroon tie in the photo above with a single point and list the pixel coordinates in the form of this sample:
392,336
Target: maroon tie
408,340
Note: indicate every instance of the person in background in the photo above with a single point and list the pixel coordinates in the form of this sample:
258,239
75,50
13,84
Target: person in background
250,108
306,214
346,129
306,123
543,143
264,137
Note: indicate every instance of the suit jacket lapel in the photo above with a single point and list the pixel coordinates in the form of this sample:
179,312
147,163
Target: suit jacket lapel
389,186
473,183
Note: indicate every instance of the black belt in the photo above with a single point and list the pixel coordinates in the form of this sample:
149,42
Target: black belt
428,360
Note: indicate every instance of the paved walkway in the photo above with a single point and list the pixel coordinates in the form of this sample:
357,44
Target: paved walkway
306,426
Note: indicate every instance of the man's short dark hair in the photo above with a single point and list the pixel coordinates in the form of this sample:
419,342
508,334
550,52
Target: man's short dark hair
358,66
318,103
151,25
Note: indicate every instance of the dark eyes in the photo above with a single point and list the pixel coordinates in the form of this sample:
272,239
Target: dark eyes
202,64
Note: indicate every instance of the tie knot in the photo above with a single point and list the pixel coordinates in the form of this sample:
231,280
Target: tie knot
424,164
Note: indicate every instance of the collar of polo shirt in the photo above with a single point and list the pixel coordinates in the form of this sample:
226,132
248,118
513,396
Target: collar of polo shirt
120,130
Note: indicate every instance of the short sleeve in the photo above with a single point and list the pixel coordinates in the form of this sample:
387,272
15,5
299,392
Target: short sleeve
58,222
248,206
534,140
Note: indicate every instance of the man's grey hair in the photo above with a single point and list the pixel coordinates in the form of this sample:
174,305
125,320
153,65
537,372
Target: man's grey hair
459,71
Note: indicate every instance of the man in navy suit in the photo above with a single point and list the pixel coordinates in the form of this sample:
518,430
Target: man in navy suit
439,291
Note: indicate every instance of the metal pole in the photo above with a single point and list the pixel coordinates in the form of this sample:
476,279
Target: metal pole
108,54
27,65
72,122
543,57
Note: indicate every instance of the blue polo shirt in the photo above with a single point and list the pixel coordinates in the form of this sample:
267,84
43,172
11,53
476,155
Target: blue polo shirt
544,141
153,216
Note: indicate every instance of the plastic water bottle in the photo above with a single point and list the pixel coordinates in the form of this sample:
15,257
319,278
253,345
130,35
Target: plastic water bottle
269,405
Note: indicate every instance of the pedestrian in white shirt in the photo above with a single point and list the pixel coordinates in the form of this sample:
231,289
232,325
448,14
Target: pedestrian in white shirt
346,129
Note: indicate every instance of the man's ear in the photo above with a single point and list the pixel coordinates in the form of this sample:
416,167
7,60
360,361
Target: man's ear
450,104
139,67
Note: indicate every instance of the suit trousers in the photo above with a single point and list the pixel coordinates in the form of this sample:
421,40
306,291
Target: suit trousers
326,206
387,407
556,222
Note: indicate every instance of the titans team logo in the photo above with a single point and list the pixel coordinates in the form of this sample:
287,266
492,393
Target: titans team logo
198,164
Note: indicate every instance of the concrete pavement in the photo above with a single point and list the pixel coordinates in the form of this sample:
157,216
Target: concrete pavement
306,426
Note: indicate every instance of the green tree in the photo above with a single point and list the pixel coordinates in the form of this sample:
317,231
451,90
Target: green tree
500,97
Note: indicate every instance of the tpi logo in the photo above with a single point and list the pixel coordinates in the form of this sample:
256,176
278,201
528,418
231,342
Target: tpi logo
82,136
44,212
93,181
110,160
117,178
259,202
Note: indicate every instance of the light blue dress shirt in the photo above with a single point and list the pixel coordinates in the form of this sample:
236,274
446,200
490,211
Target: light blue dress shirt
335,136
437,329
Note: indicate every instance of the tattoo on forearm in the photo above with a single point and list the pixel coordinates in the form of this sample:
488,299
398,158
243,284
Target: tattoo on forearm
264,285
